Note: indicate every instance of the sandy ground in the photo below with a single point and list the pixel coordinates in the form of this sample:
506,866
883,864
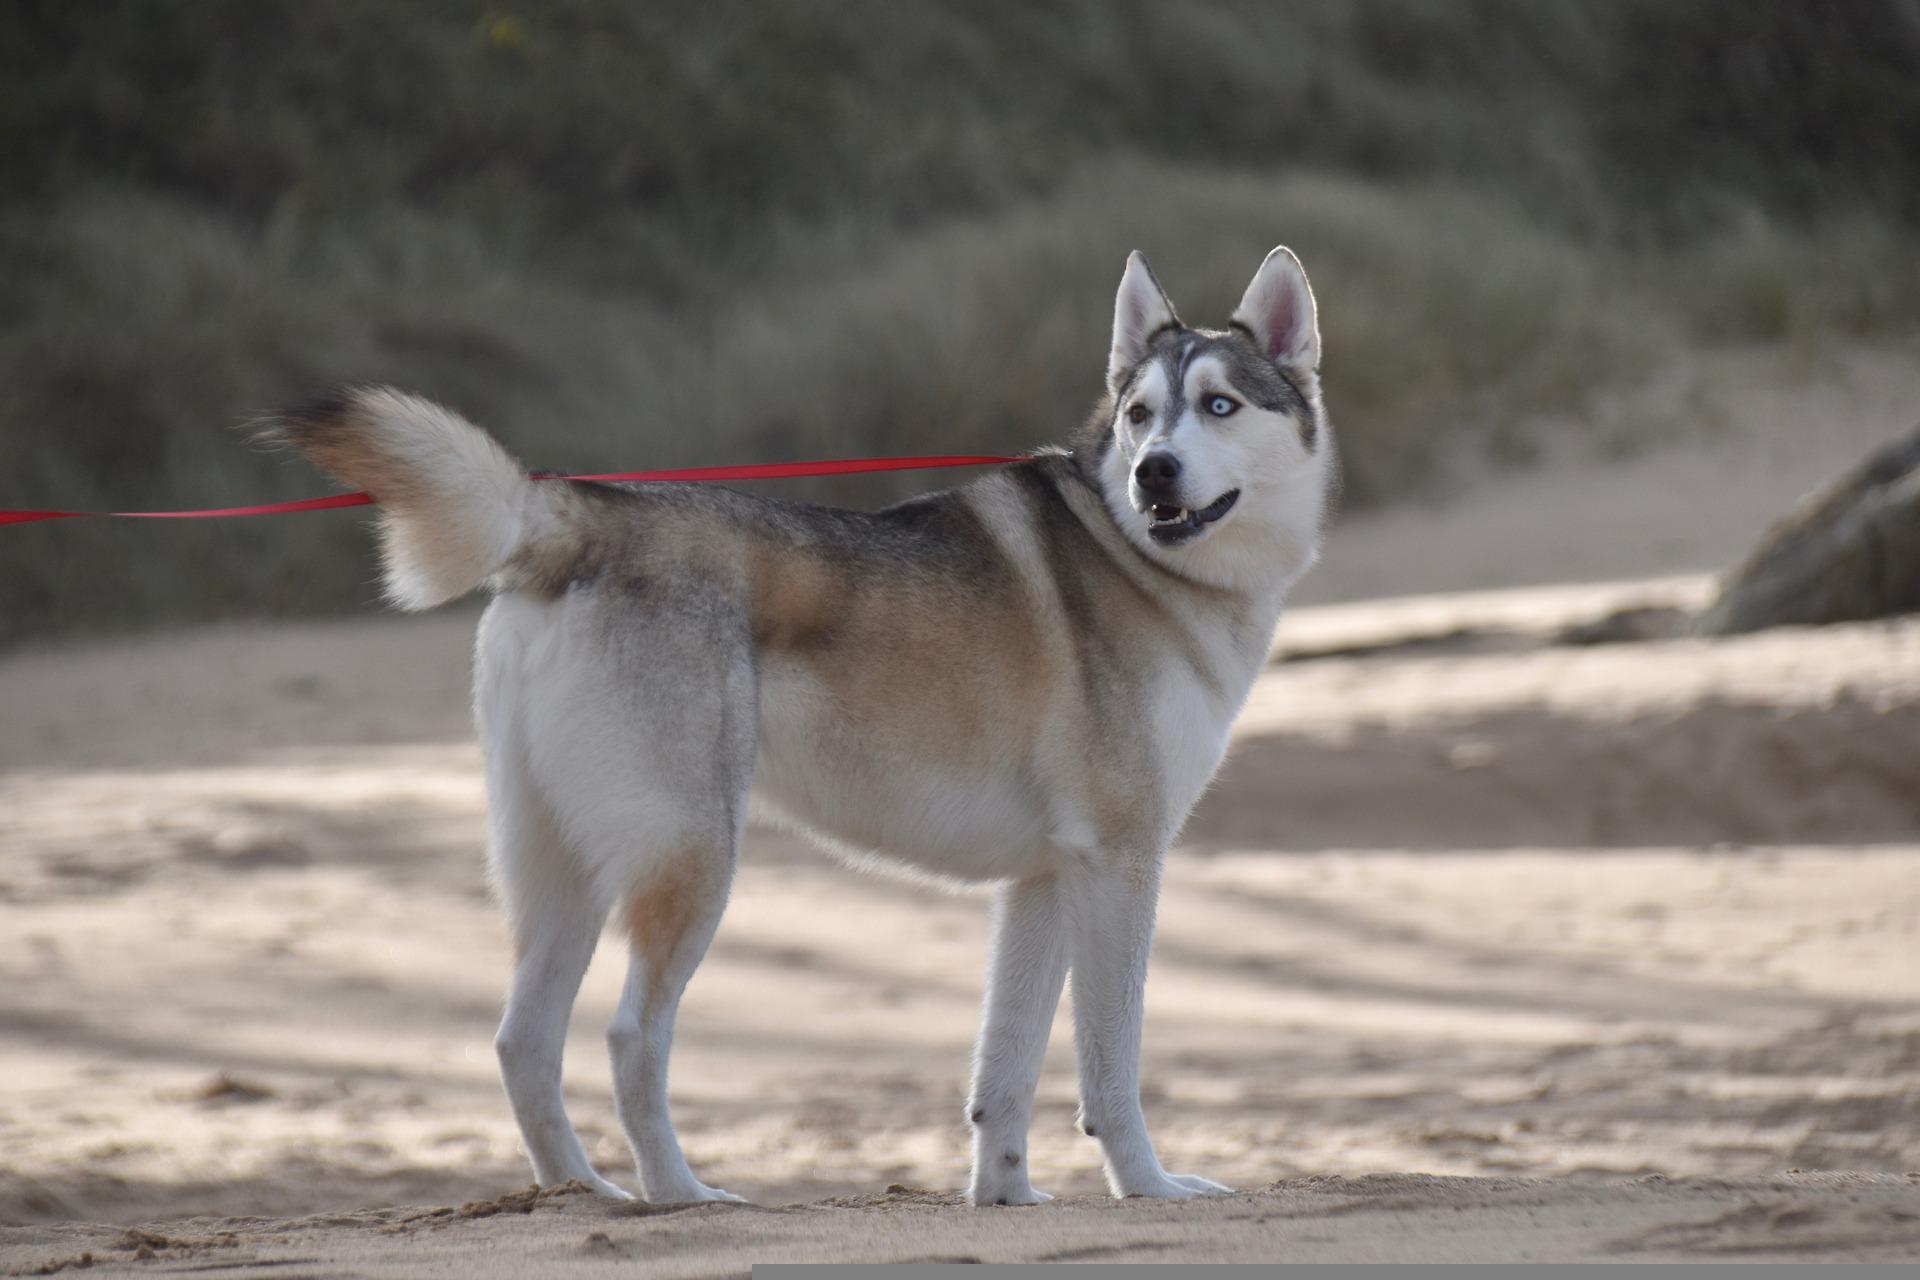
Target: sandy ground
1487,946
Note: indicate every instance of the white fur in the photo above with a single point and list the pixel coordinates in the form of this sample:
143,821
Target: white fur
550,730
1139,311
592,801
1278,307
585,801
468,506
1282,483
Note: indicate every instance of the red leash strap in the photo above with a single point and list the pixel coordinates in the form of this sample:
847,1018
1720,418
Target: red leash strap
751,471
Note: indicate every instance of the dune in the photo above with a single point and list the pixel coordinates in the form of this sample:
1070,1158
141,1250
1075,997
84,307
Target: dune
1492,943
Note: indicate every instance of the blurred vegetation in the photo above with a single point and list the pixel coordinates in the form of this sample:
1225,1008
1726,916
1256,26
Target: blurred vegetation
633,234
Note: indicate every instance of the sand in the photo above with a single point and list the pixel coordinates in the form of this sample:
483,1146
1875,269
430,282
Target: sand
1486,947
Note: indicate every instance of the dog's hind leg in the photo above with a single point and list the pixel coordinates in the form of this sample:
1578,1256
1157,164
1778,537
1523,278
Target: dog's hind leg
1023,989
670,917
647,752
556,917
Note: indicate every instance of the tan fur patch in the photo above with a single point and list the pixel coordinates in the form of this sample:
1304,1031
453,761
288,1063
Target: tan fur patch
897,657
341,439
660,913
798,600
543,569
975,671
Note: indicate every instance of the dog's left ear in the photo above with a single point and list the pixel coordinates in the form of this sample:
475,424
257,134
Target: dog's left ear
1278,313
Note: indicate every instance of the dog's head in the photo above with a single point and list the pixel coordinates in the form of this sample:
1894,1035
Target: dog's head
1217,458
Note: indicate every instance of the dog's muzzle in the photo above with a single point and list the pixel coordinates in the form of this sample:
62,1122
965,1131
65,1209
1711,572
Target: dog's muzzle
1170,524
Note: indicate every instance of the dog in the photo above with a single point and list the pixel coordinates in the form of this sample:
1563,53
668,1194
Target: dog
1026,681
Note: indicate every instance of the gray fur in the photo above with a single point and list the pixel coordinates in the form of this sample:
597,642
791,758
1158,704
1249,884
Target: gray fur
1258,380
1007,682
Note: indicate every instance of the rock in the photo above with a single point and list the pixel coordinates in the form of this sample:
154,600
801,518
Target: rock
1849,551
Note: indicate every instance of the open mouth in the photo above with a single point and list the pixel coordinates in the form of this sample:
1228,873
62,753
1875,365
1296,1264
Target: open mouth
1170,524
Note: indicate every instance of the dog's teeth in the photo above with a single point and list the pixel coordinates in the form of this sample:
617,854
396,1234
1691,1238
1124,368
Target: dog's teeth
1185,514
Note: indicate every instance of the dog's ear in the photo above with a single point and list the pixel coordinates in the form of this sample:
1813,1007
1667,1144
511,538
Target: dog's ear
1278,313
1140,311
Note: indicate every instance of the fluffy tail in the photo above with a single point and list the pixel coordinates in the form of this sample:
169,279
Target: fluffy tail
456,508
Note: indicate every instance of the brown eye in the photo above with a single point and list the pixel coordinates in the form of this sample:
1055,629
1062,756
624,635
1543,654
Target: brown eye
1137,414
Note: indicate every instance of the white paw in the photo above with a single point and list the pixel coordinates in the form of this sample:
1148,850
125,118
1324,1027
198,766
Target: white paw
601,1187
1200,1186
695,1193
1177,1186
986,1197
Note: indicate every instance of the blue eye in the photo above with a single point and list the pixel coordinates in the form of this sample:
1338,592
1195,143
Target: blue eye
1222,406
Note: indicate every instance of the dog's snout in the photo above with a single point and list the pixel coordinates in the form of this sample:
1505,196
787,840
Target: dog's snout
1157,473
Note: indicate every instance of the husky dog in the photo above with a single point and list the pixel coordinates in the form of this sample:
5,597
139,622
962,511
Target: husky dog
1026,681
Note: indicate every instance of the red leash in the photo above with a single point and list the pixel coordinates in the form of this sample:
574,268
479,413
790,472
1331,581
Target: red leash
752,471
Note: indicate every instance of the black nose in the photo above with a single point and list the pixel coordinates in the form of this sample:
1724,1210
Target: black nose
1157,472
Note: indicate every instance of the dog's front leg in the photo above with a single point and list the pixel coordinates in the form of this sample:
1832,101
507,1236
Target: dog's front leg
1109,907
1024,977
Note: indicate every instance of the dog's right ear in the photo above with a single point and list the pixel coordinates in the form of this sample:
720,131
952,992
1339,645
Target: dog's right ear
1140,311
1278,314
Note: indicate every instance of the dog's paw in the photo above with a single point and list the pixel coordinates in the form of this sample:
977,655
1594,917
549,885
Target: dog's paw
1003,1186
601,1187
1178,1186
1200,1186
695,1193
